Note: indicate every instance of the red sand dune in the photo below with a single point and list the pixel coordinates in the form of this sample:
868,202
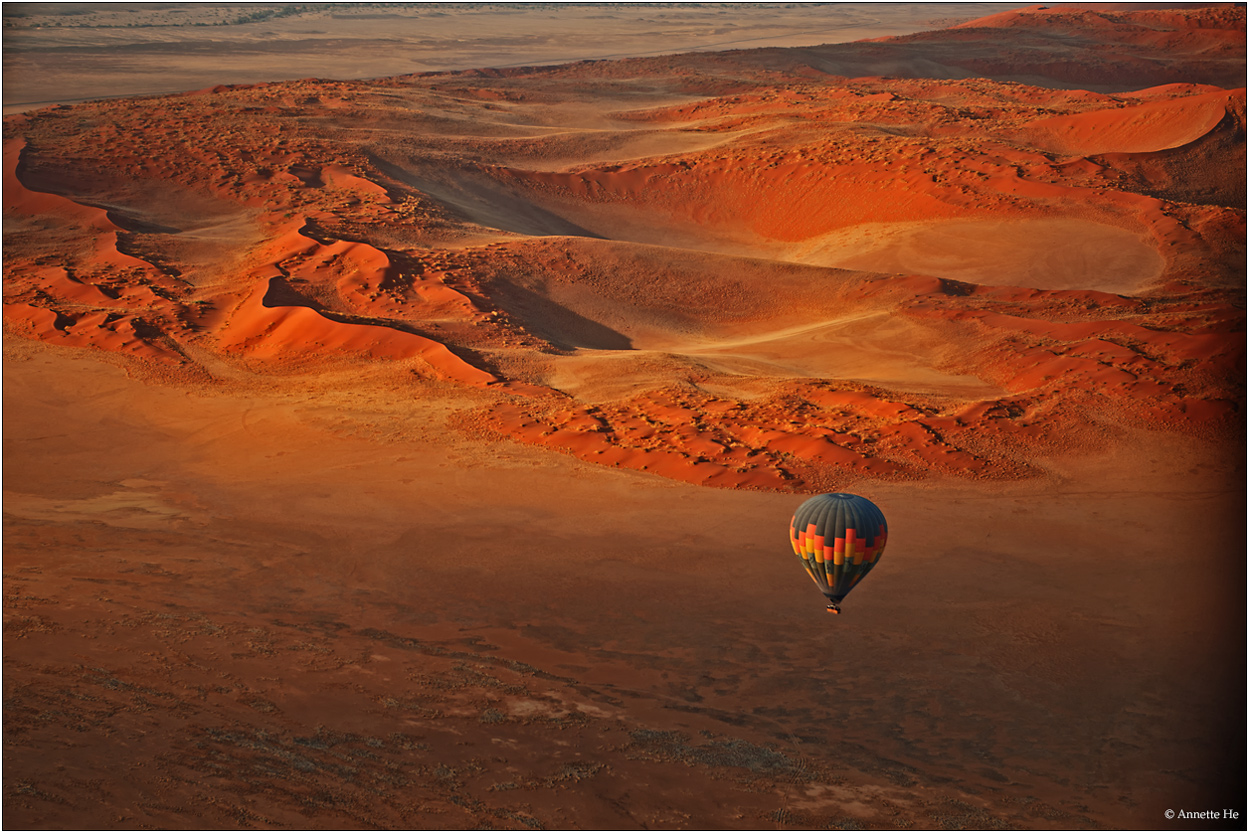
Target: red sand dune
874,266
1154,126
351,276
263,327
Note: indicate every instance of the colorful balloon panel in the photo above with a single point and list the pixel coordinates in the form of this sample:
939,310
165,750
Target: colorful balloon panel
838,537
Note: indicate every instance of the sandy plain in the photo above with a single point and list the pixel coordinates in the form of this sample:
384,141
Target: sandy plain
417,452
61,52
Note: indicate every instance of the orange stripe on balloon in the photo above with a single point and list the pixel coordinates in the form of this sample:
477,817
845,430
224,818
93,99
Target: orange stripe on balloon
860,547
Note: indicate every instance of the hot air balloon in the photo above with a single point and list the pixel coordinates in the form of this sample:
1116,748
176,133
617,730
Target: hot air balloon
839,538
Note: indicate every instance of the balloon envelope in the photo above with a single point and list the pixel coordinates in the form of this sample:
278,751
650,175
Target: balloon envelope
839,538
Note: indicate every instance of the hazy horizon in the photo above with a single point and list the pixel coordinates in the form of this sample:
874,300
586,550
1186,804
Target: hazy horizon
65,52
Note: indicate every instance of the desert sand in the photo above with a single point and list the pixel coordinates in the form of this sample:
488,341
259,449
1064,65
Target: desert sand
64,52
418,452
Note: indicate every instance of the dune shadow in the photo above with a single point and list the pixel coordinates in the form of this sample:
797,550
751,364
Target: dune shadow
281,294
480,199
129,221
556,323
